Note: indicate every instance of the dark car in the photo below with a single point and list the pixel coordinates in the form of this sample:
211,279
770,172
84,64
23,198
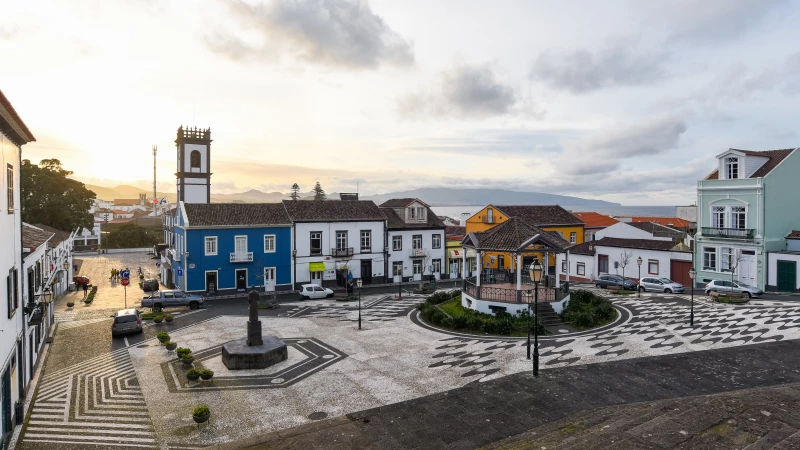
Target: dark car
80,281
150,285
605,280
126,321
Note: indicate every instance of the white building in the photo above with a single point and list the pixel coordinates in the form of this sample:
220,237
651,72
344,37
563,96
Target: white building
416,239
13,135
335,237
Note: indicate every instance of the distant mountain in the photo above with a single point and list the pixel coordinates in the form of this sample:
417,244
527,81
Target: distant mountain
473,197
431,196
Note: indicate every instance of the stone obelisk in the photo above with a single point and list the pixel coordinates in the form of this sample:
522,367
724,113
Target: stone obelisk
255,351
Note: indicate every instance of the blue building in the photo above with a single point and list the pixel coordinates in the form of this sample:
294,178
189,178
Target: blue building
231,247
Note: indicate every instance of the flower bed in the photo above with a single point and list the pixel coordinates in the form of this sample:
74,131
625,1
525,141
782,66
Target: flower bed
452,315
586,310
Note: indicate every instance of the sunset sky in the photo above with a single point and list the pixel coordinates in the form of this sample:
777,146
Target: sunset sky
625,101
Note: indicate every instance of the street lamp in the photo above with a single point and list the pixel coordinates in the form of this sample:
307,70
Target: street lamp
638,288
535,272
692,275
359,283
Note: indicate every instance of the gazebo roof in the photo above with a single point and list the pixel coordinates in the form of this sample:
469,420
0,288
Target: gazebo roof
515,235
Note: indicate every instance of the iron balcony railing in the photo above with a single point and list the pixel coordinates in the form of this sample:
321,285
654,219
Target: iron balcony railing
729,233
416,252
241,257
507,295
488,219
344,251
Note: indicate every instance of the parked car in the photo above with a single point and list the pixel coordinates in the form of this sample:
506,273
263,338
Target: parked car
724,287
171,298
80,281
606,280
126,321
660,285
310,291
150,285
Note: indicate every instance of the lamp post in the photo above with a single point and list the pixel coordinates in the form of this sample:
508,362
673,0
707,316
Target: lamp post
692,275
530,294
535,272
638,287
359,283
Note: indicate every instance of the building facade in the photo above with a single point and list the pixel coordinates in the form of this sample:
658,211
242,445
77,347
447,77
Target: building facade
334,238
232,247
13,135
416,238
746,208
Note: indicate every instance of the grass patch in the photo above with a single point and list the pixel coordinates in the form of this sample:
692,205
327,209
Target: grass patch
264,305
586,310
626,292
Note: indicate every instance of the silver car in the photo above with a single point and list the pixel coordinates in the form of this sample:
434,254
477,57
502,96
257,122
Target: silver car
724,287
660,285
126,321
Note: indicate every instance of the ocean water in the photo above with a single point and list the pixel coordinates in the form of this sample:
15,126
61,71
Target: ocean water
622,211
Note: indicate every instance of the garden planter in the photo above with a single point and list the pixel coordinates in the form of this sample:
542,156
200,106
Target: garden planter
193,377
201,419
172,346
187,361
206,376
157,320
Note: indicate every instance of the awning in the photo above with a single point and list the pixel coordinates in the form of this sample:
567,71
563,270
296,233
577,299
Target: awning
316,267
460,253
471,253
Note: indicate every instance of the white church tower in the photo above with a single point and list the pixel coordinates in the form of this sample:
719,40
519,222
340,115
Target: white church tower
194,165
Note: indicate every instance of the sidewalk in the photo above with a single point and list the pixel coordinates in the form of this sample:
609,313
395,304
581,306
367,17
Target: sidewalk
480,414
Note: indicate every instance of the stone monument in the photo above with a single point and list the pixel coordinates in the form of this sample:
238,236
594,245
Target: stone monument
254,351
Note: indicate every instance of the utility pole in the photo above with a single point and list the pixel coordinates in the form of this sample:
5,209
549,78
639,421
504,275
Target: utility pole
155,203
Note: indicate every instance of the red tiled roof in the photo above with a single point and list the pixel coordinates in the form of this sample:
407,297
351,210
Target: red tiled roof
595,220
642,244
673,222
795,234
12,125
775,158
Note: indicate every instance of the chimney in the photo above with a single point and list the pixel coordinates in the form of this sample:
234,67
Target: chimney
348,197
464,217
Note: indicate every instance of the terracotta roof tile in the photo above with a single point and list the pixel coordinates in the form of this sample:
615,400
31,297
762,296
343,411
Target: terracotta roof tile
540,215
236,214
333,211
795,234
58,235
512,234
587,248
455,230
12,125
775,158
672,222
33,237
595,220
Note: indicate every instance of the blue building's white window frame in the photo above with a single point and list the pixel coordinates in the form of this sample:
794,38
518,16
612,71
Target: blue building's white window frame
269,243
211,246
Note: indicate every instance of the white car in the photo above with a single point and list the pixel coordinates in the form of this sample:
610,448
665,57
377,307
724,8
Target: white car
311,291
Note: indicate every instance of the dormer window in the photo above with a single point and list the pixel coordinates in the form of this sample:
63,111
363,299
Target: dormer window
731,168
416,214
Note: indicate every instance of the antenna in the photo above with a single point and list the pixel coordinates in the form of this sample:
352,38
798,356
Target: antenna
155,211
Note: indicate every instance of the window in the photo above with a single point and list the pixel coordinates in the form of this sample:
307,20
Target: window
416,241
397,268
709,258
563,267
316,242
10,185
397,243
718,216
437,265
240,244
194,159
490,215
417,267
416,213
269,243
738,217
211,245
341,240
436,241
725,259
366,241
581,269
573,237
652,266
731,168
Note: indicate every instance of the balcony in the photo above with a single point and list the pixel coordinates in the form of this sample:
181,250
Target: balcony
729,233
488,219
342,252
175,255
241,257
417,252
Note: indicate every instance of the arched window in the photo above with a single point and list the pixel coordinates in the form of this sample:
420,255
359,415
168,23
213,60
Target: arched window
194,159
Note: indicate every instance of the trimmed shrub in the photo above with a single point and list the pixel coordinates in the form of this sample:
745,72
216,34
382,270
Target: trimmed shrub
587,310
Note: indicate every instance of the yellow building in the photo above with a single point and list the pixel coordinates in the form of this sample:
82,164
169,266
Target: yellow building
551,218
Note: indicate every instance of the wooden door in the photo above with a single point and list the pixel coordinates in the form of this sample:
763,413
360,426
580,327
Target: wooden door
679,272
787,276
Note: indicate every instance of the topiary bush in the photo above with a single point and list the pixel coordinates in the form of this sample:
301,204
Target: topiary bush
588,310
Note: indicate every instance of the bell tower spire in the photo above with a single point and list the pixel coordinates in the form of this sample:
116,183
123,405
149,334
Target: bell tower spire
194,165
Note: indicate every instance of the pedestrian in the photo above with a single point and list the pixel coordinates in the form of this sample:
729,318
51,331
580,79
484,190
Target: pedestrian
112,274
85,290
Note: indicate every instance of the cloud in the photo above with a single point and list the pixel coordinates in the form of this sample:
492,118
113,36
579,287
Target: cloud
337,33
464,91
604,152
583,71
8,31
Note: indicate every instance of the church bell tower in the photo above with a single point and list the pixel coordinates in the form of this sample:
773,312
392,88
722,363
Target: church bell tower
194,165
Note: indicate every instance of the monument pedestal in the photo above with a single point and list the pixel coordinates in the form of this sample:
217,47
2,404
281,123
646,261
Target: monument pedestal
237,355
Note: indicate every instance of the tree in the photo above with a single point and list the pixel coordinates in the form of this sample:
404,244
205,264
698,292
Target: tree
624,259
130,235
50,197
319,193
296,192
734,259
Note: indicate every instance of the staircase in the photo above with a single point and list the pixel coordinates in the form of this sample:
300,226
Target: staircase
547,315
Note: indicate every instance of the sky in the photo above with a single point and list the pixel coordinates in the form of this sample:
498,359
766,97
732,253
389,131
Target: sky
624,101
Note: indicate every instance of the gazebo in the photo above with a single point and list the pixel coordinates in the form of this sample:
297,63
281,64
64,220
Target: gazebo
490,294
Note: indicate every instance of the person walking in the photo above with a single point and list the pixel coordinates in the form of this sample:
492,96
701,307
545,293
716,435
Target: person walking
85,290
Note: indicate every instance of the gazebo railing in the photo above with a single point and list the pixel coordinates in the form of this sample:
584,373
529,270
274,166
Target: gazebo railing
506,295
